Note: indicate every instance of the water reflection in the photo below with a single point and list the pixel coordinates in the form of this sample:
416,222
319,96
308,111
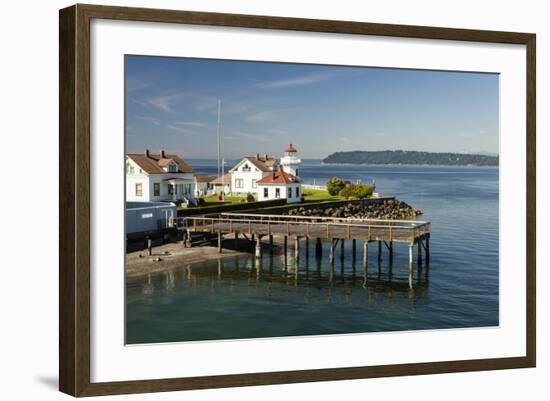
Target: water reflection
232,272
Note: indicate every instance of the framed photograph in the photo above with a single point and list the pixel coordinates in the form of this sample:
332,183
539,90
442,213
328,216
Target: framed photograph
250,200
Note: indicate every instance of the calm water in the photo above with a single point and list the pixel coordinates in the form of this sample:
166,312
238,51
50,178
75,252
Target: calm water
238,298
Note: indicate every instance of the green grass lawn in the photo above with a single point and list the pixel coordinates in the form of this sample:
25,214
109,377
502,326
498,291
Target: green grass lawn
318,195
213,200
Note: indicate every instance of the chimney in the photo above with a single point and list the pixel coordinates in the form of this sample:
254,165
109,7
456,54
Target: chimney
258,156
281,168
265,156
146,153
162,154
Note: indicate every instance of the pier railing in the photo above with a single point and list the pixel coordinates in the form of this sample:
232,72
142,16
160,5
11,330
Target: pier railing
311,226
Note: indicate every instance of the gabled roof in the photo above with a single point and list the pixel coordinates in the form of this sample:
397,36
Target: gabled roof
204,178
153,164
261,163
279,177
226,179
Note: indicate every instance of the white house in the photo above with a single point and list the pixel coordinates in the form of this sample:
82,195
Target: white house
203,185
221,184
280,184
246,174
162,177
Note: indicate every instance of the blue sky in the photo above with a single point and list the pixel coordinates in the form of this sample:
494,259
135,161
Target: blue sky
171,103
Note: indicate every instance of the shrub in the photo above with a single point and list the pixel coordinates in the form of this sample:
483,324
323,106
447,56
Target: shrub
250,198
357,191
335,185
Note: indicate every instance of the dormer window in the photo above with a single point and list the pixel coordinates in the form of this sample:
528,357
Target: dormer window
246,168
172,168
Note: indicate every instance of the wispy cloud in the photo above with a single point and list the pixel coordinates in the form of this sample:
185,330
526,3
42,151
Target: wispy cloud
307,79
254,137
149,119
165,103
265,116
181,130
197,124
136,84
278,131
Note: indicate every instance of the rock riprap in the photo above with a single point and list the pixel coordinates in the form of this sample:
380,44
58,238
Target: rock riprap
388,209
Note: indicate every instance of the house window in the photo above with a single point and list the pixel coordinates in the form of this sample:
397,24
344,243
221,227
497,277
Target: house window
170,190
172,168
238,183
254,185
156,189
297,192
266,193
296,173
290,192
139,190
129,168
246,168
277,192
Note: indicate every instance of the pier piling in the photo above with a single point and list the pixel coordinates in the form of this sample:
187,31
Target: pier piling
427,242
353,249
410,264
258,247
342,249
318,248
149,246
379,251
365,258
189,243
297,248
219,242
419,246
331,252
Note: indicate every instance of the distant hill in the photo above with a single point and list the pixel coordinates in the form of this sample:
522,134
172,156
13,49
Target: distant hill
410,157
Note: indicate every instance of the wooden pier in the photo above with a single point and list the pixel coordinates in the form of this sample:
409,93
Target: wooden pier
336,230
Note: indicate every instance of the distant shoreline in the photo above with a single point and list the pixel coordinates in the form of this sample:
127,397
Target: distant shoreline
401,157
408,165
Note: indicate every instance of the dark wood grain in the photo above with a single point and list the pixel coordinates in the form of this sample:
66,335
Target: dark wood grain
74,199
67,265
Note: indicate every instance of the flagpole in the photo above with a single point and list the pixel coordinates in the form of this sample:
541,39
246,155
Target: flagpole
219,140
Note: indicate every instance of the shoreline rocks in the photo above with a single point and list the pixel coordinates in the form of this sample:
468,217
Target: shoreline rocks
389,209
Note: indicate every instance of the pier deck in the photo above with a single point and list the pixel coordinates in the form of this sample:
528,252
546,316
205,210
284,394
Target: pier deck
407,231
334,229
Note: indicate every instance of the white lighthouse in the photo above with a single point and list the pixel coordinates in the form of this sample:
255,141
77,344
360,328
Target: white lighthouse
290,162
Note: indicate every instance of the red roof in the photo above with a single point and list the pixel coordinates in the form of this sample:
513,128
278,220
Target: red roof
279,177
291,149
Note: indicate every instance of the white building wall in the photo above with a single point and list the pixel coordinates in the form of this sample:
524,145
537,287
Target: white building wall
131,182
247,178
283,189
135,175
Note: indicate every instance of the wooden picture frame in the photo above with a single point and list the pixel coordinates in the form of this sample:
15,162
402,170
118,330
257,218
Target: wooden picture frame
74,202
